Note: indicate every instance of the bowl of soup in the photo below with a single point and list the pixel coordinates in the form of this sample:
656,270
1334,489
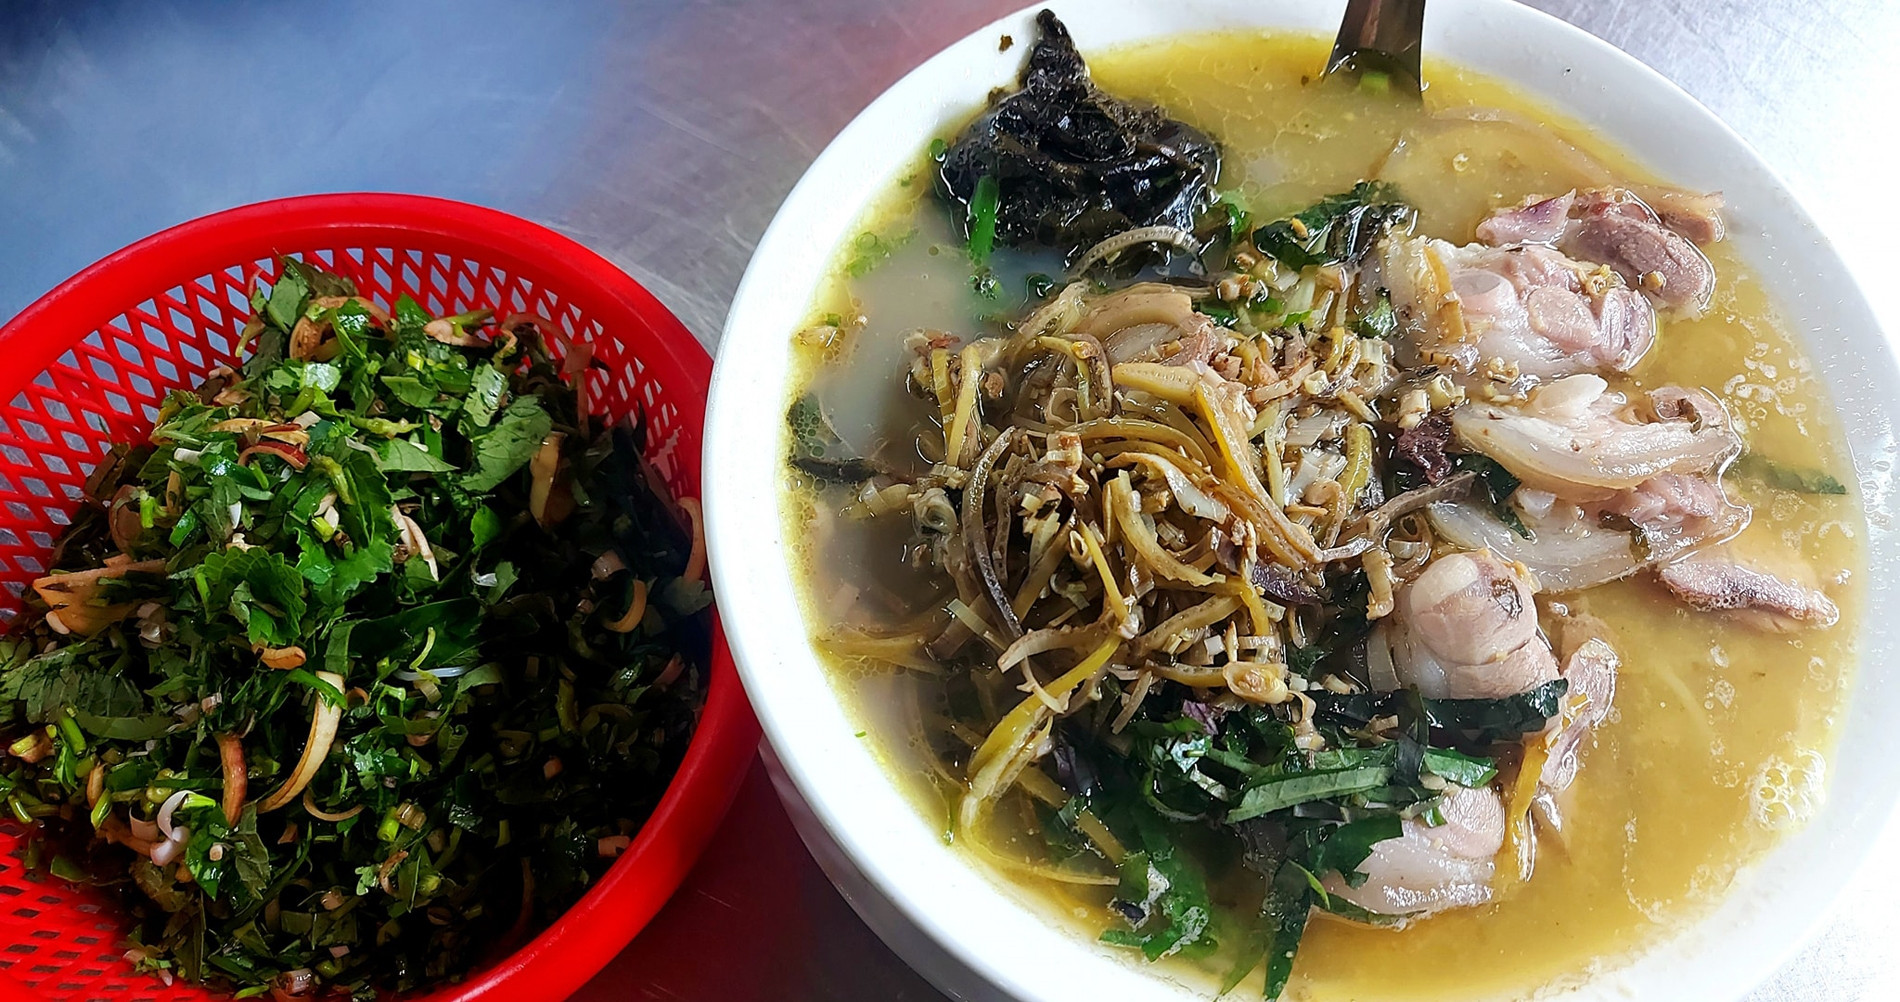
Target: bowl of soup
1191,524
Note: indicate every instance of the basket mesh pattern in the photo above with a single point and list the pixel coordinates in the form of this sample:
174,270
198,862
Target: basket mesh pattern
62,942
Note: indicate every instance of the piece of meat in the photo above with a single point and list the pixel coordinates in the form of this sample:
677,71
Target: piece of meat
1615,228
1526,305
1470,608
1466,628
1140,343
1590,668
1713,581
1681,508
1650,241
1199,346
1580,544
1580,441
1695,215
1430,868
1679,403
1666,497
1676,512
1536,221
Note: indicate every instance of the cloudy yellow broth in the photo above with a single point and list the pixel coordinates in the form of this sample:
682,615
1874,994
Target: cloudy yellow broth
1719,738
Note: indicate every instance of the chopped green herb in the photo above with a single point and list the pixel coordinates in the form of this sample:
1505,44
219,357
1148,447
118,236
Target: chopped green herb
1288,904
1799,481
1221,313
1282,792
982,222
1378,320
356,531
1465,770
1168,893
1238,218
1499,484
1337,228
1475,720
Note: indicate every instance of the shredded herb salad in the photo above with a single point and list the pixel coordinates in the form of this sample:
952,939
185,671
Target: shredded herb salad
367,663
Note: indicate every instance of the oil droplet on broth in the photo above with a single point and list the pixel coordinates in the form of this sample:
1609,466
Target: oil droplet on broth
1786,793
1722,692
1819,675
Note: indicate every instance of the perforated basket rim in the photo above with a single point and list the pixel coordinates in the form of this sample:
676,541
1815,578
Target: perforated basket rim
582,940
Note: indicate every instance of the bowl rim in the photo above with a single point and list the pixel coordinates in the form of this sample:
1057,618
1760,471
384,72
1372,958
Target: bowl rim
580,942
1755,927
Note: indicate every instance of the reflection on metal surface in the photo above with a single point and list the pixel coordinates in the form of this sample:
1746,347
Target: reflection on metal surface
1381,36
663,133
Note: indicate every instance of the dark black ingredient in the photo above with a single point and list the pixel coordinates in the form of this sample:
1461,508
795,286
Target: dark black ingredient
1340,633
1073,164
1476,721
1423,446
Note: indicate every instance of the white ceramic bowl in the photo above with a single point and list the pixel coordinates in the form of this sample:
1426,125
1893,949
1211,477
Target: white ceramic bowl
971,934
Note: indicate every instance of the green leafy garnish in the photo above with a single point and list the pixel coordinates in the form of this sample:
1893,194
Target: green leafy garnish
1288,904
1377,320
1465,770
982,221
1281,792
507,447
870,250
1234,214
1170,893
1337,228
1786,478
1221,313
1474,720
1498,484
356,530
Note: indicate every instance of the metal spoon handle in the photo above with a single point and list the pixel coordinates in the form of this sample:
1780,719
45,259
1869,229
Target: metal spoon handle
1381,36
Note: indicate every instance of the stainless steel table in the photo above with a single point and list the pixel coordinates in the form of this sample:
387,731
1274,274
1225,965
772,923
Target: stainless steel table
663,134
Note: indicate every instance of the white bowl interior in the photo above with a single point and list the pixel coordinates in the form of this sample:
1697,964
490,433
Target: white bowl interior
983,923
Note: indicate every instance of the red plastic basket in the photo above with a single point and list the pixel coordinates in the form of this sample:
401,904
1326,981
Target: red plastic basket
87,366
